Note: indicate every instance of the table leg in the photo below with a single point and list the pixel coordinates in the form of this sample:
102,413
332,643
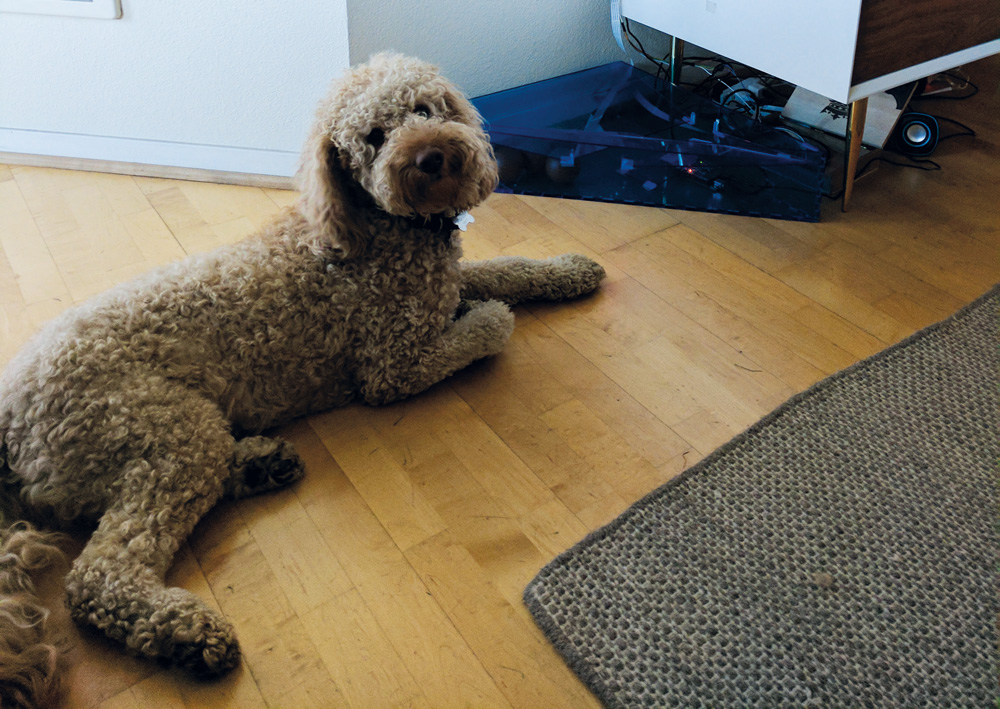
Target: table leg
676,59
855,131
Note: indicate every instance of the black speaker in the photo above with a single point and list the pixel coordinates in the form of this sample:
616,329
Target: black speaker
916,134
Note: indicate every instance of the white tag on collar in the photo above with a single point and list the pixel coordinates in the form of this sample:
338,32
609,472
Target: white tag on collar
463,220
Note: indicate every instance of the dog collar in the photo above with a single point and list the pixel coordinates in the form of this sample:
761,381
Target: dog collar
441,224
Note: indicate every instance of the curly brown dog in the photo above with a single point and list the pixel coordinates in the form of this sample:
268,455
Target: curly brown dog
140,409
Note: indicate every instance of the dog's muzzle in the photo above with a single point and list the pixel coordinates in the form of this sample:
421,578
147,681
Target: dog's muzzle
434,168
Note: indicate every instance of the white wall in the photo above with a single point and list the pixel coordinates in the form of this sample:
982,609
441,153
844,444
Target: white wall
194,83
487,45
232,86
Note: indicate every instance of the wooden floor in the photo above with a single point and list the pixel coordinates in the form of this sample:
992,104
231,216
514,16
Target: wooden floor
392,575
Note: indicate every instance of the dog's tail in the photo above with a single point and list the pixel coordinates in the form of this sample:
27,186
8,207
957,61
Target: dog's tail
27,662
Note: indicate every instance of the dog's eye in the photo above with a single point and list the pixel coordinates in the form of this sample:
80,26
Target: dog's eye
376,137
422,110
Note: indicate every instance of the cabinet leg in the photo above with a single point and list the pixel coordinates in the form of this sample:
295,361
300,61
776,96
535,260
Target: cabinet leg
855,131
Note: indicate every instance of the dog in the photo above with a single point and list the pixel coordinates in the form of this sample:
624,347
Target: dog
139,410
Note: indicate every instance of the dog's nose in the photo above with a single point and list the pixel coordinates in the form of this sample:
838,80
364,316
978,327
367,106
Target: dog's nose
430,160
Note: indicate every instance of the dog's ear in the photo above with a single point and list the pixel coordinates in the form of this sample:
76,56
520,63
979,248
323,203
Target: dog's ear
460,108
326,204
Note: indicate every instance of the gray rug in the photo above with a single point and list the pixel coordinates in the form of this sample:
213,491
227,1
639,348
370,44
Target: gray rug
842,552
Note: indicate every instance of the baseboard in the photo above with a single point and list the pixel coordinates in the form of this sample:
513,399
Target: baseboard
134,168
187,161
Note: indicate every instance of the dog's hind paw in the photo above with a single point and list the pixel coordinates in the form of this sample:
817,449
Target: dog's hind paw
211,651
171,625
573,275
260,464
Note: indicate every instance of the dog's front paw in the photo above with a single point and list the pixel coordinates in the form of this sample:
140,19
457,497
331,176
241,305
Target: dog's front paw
489,324
574,275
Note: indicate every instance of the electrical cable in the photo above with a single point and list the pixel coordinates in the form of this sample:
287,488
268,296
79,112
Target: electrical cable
753,106
662,66
966,130
941,97
616,22
915,164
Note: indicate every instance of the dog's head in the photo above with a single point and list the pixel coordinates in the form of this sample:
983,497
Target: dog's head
394,135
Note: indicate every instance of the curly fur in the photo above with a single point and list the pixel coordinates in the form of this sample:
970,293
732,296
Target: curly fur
137,409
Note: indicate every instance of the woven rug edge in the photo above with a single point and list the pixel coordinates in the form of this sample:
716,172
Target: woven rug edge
534,606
